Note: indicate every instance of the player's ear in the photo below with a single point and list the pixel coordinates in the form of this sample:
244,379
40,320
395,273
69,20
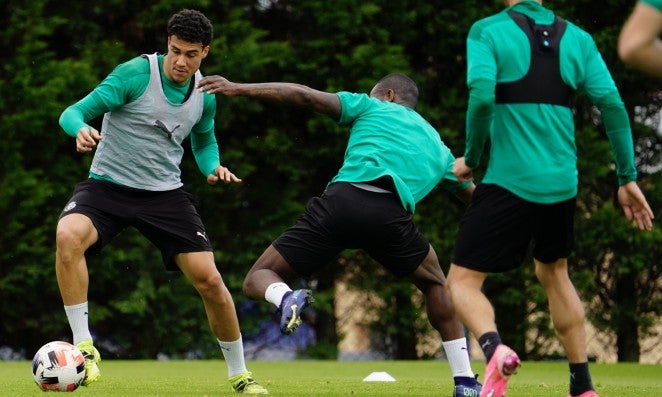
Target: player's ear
205,51
390,95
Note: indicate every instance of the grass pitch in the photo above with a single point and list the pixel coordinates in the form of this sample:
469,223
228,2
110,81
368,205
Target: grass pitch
207,378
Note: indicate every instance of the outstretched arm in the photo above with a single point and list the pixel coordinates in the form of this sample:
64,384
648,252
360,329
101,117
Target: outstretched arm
288,93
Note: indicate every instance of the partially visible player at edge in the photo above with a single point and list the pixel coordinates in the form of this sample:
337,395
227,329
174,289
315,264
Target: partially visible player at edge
523,66
394,158
150,107
639,43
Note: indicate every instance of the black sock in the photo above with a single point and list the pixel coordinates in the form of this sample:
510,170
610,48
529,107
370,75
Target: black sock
580,379
489,342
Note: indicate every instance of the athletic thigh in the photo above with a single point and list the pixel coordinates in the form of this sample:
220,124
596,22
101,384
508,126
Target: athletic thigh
198,267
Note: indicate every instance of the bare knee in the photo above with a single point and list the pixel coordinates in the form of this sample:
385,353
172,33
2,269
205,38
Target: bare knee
269,268
74,234
452,287
210,282
429,274
248,285
461,278
257,278
443,303
251,279
212,286
67,239
552,273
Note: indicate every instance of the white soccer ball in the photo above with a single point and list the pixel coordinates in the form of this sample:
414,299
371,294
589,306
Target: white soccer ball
58,366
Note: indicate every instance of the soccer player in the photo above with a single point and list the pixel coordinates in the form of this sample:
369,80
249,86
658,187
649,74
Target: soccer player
524,64
150,106
394,158
639,43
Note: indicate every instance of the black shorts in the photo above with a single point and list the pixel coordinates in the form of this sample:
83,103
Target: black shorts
348,217
499,227
168,219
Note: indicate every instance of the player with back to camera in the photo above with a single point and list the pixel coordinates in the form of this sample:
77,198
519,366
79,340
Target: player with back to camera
639,42
150,106
524,64
394,158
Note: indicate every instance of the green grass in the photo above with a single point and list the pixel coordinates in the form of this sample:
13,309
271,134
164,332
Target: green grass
331,378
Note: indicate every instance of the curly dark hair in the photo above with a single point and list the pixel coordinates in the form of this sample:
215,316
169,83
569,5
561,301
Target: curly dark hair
192,26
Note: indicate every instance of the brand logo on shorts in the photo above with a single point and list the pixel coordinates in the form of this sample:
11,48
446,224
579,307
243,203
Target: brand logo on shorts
201,234
70,206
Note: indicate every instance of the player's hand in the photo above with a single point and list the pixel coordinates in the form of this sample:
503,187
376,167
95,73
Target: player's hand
462,172
87,139
222,174
635,206
216,85
466,194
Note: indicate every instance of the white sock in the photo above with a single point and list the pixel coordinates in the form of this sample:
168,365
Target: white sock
458,357
234,356
275,292
77,316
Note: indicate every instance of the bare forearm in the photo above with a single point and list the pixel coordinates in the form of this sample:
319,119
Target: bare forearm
286,93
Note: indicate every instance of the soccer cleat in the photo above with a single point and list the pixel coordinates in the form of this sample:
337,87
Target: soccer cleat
467,391
291,307
243,383
504,363
92,359
590,393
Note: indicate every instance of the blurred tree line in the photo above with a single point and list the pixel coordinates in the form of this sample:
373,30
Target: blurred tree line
55,52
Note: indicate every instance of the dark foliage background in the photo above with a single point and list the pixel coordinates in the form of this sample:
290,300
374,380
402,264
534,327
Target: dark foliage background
55,52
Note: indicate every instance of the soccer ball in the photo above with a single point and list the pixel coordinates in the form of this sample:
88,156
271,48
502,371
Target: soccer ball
58,366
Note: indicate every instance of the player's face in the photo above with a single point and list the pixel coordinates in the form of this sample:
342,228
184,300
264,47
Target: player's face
183,59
